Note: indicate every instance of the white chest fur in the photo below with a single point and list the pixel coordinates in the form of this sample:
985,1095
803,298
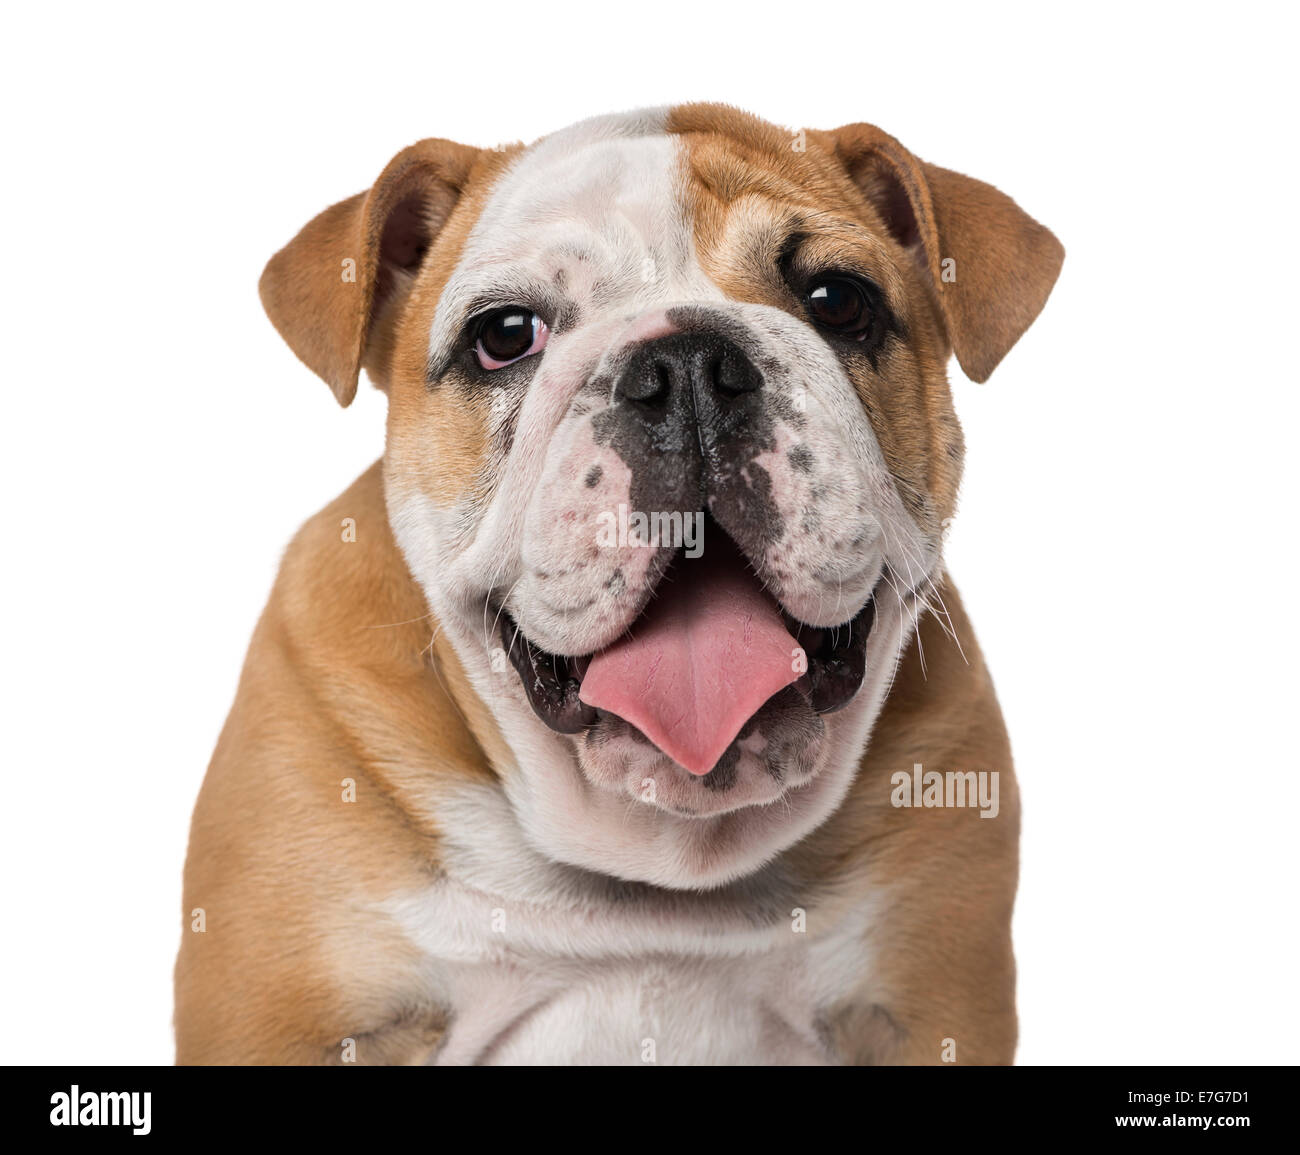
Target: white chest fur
543,963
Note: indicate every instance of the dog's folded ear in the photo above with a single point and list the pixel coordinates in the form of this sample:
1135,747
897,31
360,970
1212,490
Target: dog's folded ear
992,265
331,289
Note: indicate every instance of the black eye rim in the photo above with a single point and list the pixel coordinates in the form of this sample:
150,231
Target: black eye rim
800,276
479,325
868,294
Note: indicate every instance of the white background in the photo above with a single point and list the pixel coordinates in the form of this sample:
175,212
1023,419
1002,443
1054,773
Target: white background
1125,537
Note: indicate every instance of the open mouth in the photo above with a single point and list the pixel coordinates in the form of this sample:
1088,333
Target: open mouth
710,648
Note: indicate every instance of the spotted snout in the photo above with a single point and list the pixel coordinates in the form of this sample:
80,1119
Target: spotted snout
744,416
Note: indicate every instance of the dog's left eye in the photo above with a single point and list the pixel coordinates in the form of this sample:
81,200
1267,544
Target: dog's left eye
507,335
841,304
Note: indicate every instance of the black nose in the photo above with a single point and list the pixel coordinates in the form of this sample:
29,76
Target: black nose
701,370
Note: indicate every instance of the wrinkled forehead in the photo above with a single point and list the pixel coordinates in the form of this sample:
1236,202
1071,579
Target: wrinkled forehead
612,178
587,221
625,212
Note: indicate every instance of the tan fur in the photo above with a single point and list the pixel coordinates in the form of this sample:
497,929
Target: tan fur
338,685
1004,263
944,965
747,186
342,682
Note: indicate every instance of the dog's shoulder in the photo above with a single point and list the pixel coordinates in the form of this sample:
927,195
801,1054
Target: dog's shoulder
305,814
932,823
343,657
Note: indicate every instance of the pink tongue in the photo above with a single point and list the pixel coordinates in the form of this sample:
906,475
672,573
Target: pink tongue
708,652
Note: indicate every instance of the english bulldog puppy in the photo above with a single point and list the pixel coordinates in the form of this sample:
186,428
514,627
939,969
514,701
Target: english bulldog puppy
613,715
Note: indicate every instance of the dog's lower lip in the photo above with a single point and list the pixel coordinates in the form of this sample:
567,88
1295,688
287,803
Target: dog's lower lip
550,681
837,659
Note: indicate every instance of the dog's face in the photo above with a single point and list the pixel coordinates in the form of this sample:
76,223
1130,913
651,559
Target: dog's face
670,449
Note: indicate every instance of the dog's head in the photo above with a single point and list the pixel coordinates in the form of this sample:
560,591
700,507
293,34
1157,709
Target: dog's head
670,447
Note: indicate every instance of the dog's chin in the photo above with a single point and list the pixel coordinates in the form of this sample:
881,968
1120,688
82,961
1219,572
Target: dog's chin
780,748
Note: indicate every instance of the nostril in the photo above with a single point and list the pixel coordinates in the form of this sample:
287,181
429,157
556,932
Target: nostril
714,372
664,379
647,381
653,385
733,375
684,364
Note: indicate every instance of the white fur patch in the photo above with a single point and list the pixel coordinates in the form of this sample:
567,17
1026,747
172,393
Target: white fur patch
538,963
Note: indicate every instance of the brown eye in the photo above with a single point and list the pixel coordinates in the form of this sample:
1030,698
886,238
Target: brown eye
841,304
507,335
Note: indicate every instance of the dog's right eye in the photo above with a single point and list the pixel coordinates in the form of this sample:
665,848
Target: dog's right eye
840,303
508,335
